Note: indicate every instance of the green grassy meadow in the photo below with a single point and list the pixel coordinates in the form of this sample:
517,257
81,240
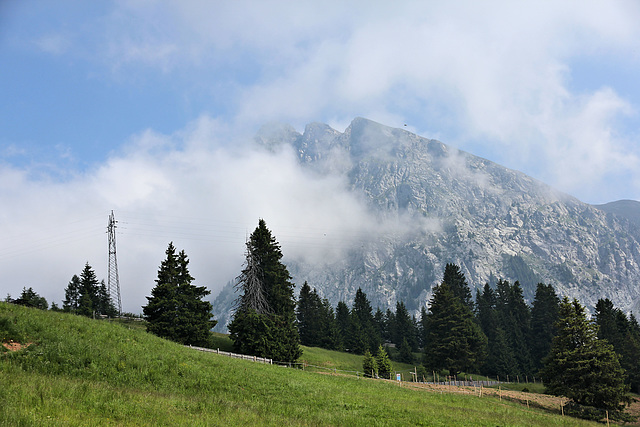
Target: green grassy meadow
79,371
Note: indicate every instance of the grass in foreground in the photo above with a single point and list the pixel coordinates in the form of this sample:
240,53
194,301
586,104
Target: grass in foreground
84,372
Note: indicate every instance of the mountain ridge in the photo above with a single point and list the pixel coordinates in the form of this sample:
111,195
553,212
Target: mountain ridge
490,220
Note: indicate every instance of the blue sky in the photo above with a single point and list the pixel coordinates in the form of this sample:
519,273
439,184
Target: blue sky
135,105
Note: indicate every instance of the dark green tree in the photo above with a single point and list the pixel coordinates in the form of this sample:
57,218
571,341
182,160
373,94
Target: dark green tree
343,322
622,333
514,317
330,337
88,300
632,354
500,360
316,320
458,285
176,309
389,324
404,328
422,327
363,334
380,324
455,341
30,298
544,315
405,354
269,329
309,316
580,366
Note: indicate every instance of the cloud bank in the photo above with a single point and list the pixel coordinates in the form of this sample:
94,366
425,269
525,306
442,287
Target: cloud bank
499,79
183,188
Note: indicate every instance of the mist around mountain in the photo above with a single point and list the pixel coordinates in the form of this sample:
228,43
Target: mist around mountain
426,204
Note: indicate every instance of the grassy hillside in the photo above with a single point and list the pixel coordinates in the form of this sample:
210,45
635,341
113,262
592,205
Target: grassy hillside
78,371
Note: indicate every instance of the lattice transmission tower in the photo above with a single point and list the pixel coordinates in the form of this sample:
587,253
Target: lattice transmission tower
113,283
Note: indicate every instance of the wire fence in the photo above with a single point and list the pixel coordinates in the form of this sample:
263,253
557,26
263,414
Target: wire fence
401,376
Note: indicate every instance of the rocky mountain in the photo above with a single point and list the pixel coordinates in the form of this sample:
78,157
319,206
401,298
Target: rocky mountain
450,206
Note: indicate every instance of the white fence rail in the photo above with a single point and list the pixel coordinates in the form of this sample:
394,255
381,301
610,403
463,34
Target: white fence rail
234,355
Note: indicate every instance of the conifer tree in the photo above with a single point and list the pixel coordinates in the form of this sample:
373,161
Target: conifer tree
458,285
514,317
500,360
343,322
176,309
363,332
30,298
422,327
580,366
380,324
455,341
383,362
307,313
622,333
88,292
71,301
403,327
316,321
405,352
330,337
369,365
273,332
544,315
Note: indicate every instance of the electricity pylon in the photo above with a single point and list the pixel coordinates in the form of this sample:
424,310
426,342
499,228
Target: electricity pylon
113,282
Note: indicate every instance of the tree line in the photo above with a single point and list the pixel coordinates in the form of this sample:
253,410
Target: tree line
595,362
83,295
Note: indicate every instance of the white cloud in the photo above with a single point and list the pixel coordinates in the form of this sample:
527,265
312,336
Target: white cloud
186,188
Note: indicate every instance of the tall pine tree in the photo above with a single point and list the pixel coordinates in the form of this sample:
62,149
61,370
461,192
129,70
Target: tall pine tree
176,309
514,317
270,332
500,360
455,341
544,315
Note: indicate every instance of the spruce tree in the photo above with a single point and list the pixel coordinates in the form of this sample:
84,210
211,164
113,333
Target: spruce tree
330,336
455,341
30,298
405,354
88,299
422,327
622,333
369,365
176,309
500,359
383,362
71,300
544,315
458,285
315,319
270,332
514,317
580,366
403,327
343,324
364,334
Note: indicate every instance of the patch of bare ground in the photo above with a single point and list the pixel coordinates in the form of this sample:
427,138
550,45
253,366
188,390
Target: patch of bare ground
15,346
634,410
550,403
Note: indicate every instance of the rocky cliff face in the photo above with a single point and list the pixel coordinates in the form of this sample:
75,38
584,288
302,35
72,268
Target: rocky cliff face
451,206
